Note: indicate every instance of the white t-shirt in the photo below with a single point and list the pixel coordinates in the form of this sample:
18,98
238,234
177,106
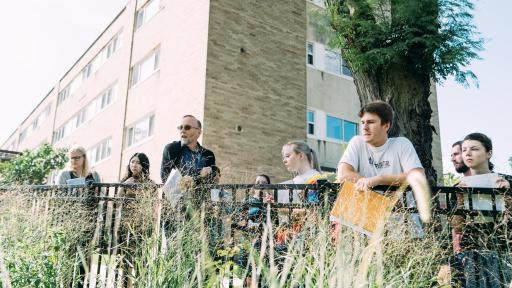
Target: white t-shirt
396,156
283,195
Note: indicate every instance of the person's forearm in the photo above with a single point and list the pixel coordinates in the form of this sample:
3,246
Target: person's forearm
397,179
346,174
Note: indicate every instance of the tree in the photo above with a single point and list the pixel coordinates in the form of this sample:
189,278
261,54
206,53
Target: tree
510,162
32,167
398,48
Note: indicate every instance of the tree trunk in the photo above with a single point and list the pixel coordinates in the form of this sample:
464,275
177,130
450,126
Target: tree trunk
407,92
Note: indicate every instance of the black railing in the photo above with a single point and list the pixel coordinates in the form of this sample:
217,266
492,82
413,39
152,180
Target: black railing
232,200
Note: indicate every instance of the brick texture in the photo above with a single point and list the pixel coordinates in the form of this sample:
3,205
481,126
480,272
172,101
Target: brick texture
255,97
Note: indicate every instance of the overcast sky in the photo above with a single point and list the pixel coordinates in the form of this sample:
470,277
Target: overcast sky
42,39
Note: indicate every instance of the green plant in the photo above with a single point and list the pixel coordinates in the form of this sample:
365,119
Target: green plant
450,179
32,167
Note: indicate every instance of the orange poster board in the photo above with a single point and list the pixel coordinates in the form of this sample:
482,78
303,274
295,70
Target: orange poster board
361,210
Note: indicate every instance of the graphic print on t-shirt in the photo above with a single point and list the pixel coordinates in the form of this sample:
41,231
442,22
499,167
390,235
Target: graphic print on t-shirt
381,165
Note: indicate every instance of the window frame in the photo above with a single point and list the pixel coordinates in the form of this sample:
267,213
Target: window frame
135,71
310,54
130,138
312,123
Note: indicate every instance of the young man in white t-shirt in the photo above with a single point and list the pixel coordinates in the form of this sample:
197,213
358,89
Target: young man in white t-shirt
372,158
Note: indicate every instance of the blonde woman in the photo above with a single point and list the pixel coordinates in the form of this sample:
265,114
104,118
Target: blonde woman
301,161
77,168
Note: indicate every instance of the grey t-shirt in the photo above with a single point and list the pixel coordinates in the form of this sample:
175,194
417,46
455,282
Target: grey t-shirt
396,156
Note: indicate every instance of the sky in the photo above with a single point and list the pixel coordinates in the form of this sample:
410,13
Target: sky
42,39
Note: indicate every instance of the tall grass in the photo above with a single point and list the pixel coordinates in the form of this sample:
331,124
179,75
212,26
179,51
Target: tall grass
39,245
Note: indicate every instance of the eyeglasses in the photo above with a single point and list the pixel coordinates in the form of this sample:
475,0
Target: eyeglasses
186,127
76,157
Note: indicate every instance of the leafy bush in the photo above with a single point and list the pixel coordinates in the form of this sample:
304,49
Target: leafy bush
32,167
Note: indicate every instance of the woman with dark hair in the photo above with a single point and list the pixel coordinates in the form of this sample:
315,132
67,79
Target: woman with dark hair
476,262
137,170
476,154
133,218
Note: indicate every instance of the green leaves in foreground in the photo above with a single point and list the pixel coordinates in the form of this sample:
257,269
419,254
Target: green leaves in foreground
32,167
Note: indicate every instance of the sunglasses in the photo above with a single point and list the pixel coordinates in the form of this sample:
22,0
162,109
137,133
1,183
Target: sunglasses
185,127
76,157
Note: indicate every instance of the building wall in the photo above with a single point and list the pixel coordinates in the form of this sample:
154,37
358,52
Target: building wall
107,124
239,66
256,82
177,88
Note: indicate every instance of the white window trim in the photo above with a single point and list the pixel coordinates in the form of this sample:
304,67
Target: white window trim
114,98
116,37
333,139
146,57
143,80
160,8
342,129
307,54
314,122
98,144
152,114
143,141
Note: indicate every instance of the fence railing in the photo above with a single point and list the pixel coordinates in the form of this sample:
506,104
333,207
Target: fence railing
232,204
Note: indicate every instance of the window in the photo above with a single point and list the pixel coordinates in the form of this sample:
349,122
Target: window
106,52
81,117
140,131
85,114
63,95
311,122
106,98
345,69
86,72
58,134
35,123
334,127
23,135
147,12
340,129
100,151
349,130
333,62
145,68
310,53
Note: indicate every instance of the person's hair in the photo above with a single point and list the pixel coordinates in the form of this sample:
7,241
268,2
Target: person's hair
144,175
381,109
303,147
85,167
458,143
264,176
486,142
198,122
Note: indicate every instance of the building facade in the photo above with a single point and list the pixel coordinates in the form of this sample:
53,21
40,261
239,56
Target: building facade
256,73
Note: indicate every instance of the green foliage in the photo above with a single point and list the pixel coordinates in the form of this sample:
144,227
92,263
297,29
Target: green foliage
38,259
32,167
429,37
510,162
450,179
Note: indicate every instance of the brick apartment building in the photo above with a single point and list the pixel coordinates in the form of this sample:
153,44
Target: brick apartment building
256,74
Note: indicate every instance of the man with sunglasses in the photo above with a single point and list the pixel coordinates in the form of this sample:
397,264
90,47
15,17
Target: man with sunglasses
195,163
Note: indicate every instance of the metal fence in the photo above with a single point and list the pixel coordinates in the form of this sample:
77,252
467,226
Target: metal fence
230,204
